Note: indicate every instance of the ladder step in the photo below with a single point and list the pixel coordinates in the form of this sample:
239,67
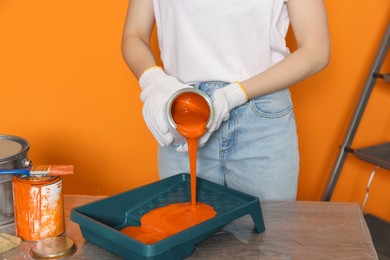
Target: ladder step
380,233
377,154
385,76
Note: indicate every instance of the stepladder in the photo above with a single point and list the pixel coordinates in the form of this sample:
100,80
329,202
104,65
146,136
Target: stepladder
377,154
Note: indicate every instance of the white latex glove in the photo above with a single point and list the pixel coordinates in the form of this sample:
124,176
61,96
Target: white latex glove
224,100
157,87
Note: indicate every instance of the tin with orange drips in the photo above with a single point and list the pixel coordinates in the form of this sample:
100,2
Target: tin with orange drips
38,207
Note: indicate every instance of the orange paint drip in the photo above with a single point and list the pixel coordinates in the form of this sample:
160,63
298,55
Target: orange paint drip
190,113
38,206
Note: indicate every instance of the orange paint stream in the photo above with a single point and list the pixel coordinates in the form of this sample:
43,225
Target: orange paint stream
190,113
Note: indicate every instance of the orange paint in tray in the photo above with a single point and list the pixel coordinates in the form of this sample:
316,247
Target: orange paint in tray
191,113
38,207
166,221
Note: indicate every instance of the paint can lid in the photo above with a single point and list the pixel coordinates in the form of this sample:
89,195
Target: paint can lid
9,148
12,147
35,179
53,248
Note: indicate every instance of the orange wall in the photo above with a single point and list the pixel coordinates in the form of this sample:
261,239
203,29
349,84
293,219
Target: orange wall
66,89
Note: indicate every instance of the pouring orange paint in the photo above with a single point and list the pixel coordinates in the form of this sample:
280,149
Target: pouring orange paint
190,113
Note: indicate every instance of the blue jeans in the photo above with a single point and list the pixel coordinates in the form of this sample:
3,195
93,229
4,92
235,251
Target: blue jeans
255,151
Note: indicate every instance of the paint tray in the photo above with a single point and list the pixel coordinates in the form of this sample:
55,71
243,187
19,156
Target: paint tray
101,221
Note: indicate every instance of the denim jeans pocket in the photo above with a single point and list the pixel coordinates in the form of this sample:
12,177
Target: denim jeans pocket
273,105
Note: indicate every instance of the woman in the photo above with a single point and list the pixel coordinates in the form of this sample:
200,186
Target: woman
235,51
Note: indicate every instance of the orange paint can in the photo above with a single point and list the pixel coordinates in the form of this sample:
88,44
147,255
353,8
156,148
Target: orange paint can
38,207
187,103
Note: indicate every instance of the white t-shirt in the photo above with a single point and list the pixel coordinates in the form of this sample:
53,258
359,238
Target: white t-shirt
220,40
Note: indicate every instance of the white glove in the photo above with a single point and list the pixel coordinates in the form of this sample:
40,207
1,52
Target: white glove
224,100
157,87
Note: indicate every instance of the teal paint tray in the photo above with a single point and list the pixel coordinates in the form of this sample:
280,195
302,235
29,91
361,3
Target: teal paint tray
101,221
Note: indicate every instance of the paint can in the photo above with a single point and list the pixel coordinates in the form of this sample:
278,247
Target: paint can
13,155
38,206
177,137
53,248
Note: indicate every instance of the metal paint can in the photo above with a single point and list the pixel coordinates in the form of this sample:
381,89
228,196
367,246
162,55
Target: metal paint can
38,206
177,137
13,155
53,248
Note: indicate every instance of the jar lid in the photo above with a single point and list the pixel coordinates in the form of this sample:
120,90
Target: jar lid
53,248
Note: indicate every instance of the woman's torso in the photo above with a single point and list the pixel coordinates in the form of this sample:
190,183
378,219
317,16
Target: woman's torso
220,40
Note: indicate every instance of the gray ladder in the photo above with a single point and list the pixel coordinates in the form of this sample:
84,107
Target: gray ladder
379,154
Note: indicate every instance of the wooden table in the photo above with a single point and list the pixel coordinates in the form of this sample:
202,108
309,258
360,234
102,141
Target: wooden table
294,230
